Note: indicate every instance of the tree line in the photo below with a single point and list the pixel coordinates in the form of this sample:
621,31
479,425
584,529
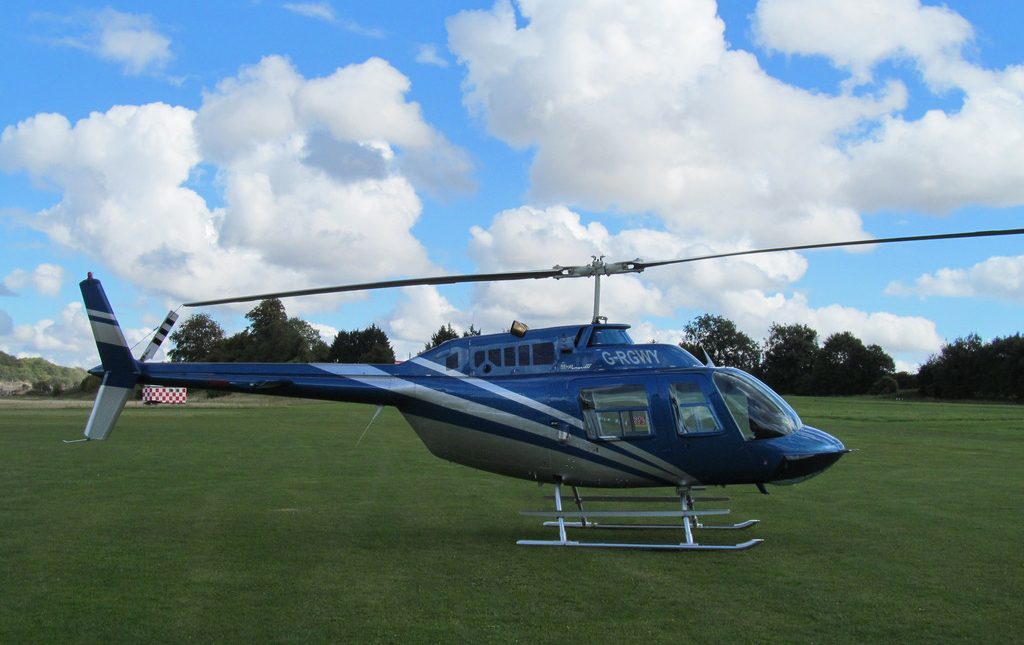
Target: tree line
273,337
36,376
970,369
791,360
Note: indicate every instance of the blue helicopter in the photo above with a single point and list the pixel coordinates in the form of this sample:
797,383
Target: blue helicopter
575,405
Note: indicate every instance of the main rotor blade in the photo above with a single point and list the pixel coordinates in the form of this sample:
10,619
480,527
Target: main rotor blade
388,284
826,245
598,267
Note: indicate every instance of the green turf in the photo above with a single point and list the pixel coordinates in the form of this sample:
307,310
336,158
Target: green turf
267,524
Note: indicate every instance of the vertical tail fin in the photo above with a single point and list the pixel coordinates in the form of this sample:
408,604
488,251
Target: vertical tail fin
120,370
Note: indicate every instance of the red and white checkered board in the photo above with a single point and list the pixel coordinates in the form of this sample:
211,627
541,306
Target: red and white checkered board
157,394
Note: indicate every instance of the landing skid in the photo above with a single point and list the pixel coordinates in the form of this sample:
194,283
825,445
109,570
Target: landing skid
581,519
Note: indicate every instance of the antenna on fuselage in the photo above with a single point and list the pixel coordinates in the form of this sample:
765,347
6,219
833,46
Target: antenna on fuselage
707,358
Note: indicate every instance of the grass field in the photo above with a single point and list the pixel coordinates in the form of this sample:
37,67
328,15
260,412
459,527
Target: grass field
266,523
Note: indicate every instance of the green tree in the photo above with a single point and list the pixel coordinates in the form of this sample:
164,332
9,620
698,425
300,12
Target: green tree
346,347
232,349
789,355
310,347
271,338
378,346
1004,360
195,339
954,373
719,337
370,345
844,366
472,331
445,333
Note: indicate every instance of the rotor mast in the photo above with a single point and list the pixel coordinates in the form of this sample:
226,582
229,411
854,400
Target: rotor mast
597,268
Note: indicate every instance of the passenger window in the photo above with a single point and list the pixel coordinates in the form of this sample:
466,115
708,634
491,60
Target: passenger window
616,412
478,359
452,362
494,356
693,410
524,354
510,356
543,353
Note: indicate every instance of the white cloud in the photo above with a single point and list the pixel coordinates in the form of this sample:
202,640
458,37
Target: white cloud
327,101
1000,278
45,278
672,122
65,339
130,40
943,161
319,10
754,311
313,191
323,11
427,54
327,332
675,123
856,36
419,313
643,108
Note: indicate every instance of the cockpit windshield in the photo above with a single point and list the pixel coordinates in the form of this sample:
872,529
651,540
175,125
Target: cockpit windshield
759,412
610,336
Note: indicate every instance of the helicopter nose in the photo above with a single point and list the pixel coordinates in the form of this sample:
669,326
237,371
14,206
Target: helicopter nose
806,453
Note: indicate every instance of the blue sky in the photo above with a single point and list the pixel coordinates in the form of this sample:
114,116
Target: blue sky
190,150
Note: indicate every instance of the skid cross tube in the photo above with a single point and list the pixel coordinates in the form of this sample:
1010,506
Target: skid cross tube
690,522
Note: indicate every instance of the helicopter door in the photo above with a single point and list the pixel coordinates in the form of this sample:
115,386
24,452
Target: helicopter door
705,441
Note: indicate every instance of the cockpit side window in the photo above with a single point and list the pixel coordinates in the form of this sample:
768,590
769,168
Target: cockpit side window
693,411
616,412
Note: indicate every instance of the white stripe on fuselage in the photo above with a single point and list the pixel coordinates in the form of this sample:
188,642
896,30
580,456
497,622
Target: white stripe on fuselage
625,446
376,377
500,391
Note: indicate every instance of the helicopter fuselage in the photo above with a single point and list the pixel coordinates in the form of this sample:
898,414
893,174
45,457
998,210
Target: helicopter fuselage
581,405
